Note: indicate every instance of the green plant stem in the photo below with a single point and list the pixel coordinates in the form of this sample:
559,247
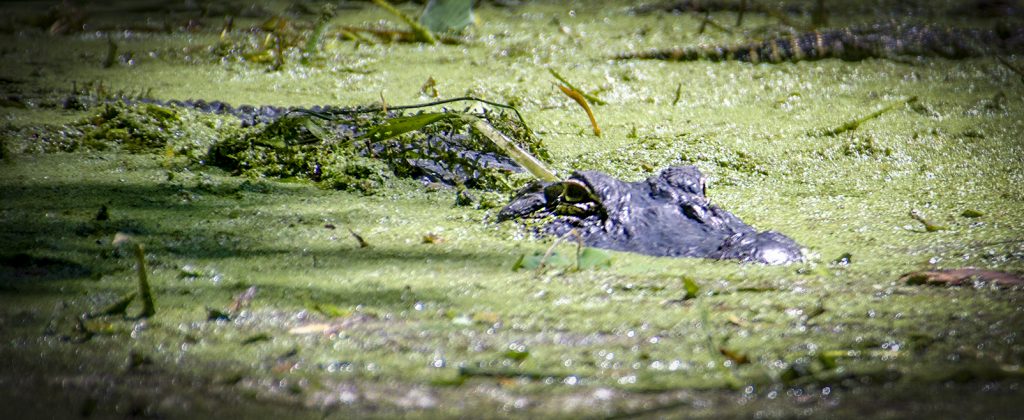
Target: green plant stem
422,34
148,307
594,99
524,159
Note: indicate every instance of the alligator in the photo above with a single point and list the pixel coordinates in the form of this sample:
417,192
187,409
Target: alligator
666,215
853,44
702,6
445,153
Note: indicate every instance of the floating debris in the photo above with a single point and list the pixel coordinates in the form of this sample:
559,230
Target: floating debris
963,277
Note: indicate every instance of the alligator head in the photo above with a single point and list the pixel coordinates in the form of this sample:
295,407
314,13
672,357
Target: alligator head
665,215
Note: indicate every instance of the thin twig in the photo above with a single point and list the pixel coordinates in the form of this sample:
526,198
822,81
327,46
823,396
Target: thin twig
576,96
590,97
853,124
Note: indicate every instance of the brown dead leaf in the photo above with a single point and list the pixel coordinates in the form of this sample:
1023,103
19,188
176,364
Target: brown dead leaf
962,277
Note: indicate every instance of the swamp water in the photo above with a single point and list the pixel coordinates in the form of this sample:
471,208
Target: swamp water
267,303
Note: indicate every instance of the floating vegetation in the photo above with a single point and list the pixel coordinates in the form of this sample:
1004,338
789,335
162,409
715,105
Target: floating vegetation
353,149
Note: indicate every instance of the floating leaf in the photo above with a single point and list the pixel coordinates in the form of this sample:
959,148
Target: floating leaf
397,126
691,288
594,258
534,260
447,15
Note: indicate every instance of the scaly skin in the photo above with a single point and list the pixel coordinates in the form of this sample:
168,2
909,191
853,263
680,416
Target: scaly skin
852,44
450,158
665,215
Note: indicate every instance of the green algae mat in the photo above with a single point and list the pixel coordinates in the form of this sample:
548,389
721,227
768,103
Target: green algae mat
295,270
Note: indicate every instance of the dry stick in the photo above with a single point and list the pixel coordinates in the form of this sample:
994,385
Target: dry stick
576,96
853,124
590,97
362,242
422,34
148,307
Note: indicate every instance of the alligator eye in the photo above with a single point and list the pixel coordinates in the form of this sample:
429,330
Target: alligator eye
575,191
554,192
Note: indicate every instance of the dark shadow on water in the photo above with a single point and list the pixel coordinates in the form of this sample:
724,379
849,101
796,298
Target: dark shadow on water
53,235
27,267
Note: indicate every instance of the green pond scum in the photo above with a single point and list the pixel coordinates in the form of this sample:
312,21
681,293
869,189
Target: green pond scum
290,273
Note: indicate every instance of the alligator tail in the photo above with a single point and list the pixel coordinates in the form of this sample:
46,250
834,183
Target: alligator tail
852,44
